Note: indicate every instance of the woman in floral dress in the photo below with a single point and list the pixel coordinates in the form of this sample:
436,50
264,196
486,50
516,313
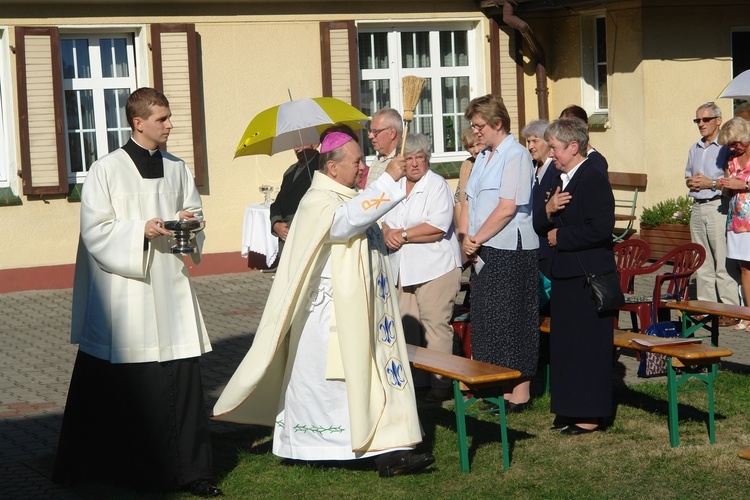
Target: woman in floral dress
736,134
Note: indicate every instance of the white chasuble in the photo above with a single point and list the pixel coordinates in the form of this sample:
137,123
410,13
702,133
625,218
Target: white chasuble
133,304
328,367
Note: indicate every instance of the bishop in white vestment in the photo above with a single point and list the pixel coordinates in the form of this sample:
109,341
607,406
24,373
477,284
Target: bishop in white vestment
328,368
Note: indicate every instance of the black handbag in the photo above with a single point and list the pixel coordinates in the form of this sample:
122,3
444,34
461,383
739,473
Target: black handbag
605,289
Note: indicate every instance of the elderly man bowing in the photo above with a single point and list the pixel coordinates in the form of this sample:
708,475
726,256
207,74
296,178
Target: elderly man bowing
328,368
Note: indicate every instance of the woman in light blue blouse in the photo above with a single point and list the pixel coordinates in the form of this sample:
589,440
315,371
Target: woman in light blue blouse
501,240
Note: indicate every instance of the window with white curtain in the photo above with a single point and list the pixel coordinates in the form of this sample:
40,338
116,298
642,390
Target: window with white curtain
443,55
99,74
595,91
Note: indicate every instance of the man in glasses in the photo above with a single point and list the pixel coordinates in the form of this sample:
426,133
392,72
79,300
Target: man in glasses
386,129
706,163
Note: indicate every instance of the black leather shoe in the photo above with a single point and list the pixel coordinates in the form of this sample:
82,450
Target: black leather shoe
204,489
408,464
574,430
517,407
558,427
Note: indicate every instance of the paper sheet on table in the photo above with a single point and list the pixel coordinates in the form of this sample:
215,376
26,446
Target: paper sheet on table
657,341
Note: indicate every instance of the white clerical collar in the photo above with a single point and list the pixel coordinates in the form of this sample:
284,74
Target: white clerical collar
567,176
152,152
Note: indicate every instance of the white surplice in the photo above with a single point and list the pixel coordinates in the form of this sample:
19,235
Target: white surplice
130,304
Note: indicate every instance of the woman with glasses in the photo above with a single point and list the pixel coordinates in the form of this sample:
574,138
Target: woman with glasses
500,239
425,256
736,134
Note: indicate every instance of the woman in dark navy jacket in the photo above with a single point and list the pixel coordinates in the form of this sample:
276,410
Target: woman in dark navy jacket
578,220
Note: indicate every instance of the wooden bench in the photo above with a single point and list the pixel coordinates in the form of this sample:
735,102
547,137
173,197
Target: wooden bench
692,309
481,380
625,204
679,357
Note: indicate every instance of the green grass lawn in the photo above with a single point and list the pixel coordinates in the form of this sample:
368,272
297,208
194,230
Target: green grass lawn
632,459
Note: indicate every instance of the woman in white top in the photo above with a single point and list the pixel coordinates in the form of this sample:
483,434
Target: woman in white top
425,255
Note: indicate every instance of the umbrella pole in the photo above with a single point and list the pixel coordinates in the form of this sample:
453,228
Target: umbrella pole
304,151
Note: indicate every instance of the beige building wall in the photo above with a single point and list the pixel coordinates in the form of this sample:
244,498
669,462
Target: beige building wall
250,57
662,66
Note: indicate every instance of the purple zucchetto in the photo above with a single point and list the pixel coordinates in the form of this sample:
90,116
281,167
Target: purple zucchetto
334,140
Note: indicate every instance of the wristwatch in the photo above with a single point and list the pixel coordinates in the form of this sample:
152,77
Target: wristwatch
404,236
713,184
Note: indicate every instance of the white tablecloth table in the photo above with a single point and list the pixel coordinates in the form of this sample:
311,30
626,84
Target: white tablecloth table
256,233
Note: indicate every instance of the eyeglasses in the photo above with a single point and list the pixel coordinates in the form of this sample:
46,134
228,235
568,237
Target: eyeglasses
419,157
478,128
375,131
705,119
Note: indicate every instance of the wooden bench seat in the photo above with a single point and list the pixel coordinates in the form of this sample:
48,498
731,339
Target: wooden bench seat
476,377
692,310
679,357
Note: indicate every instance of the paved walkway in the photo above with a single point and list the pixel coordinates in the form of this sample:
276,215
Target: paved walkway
36,361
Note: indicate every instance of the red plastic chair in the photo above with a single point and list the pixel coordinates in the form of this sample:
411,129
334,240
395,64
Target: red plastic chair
686,259
630,257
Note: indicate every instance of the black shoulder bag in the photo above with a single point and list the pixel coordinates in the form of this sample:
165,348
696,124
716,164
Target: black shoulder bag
605,287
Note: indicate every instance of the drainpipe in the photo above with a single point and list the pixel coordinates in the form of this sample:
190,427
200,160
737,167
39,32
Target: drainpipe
515,22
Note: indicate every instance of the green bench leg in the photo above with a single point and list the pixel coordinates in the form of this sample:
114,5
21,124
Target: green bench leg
674,431
460,410
463,445
673,389
504,435
710,383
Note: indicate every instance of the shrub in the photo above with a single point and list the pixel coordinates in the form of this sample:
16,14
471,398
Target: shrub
669,211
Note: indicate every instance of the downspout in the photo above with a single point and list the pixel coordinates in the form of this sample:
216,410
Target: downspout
515,22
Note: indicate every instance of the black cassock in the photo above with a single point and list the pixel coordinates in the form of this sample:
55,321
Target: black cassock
140,424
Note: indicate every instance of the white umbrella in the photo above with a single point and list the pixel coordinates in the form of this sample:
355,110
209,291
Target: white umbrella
739,88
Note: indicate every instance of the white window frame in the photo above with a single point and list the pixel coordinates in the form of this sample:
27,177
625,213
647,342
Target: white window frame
138,71
589,63
435,72
8,160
